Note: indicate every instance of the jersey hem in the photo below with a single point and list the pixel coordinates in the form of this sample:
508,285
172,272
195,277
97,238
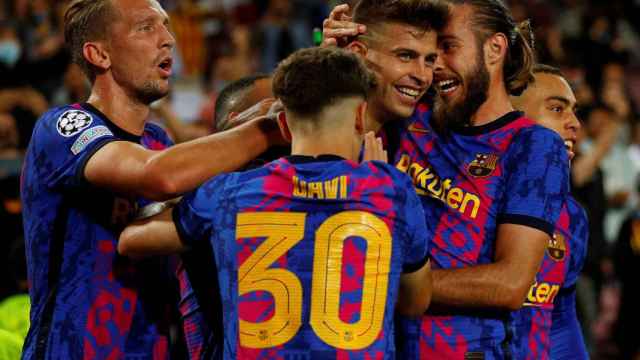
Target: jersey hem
526,220
411,268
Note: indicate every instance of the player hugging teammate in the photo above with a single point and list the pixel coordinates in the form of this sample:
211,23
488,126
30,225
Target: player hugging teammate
327,252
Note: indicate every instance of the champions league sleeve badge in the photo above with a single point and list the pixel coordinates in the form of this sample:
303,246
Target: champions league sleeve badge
72,122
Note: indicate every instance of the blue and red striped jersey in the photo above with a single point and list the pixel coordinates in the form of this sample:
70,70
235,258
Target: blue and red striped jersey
471,180
87,301
532,323
567,341
309,253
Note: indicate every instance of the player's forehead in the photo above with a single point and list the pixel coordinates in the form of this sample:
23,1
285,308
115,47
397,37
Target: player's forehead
139,10
460,26
400,35
262,89
552,86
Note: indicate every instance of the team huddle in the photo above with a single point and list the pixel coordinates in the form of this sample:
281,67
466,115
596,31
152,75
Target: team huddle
422,211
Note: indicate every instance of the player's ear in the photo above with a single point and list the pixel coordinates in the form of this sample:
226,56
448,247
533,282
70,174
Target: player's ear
96,54
284,127
495,49
358,47
361,118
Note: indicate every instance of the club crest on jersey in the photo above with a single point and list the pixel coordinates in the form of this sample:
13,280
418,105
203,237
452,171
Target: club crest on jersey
483,165
72,122
556,248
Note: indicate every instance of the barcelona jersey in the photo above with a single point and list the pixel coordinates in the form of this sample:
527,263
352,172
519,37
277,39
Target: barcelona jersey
548,295
87,301
199,305
309,253
567,341
470,180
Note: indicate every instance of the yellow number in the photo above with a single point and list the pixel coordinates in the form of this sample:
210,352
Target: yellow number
283,231
327,273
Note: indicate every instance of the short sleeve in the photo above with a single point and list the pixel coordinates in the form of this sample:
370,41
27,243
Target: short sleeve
64,140
416,235
193,215
537,180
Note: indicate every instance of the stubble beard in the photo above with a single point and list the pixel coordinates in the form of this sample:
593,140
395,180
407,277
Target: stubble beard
449,116
150,91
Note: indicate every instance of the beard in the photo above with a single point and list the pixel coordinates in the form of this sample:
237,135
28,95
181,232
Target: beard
458,114
150,91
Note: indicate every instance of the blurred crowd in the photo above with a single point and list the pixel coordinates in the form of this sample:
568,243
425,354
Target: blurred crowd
596,43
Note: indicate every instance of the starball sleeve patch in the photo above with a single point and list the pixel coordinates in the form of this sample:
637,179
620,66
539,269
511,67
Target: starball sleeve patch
72,122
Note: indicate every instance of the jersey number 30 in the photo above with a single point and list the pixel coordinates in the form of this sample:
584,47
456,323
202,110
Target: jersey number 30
282,232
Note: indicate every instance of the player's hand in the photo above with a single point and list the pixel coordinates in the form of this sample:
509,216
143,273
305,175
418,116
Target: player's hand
275,109
373,149
261,108
339,28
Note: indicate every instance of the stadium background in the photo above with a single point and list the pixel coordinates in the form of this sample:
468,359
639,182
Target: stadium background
596,43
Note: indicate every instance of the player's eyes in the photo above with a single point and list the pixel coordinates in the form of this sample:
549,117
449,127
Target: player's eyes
557,109
447,46
405,56
146,27
430,61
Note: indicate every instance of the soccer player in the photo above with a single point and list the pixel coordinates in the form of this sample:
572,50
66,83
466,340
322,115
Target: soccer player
400,48
89,167
547,326
492,183
312,250
250,92
199,305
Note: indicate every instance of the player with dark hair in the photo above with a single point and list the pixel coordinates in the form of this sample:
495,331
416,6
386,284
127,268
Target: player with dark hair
313,251
492,182
240,95
547,326
90,167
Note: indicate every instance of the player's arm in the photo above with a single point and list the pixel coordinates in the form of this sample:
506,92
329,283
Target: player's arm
502,284
129,168
156,235
537,186
414,295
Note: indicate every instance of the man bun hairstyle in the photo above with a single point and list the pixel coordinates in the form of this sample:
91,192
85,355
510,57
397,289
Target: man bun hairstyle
84,21
493,16
423,14
311,79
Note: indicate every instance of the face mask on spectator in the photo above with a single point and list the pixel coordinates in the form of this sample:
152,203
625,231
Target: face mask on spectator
9,52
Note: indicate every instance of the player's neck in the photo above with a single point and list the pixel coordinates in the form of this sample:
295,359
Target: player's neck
323,145
376,118
125,112
497,104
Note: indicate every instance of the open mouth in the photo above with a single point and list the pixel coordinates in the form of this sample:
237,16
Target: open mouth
166,65
447,86
409,92
568,145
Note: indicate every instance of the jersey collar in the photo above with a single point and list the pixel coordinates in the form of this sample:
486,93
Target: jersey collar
305,159
117,131
487,128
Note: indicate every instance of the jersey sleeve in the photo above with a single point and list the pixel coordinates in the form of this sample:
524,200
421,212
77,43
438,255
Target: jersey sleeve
64,140
193,215
537,180
416,235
